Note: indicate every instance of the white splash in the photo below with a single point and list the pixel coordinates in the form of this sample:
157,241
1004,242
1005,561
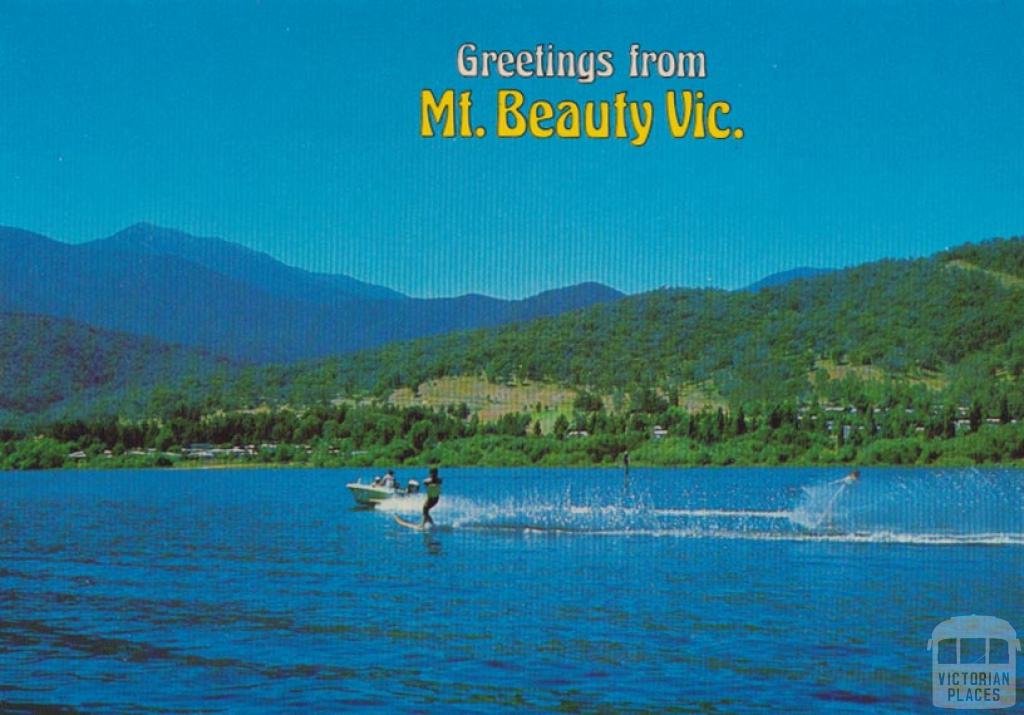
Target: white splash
840,511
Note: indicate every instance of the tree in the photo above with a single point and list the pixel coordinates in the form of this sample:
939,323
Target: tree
648,401
421,433
975,416
739,422
587,402
561,427
164,439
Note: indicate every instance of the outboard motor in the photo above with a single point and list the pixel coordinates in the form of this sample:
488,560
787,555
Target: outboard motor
413,487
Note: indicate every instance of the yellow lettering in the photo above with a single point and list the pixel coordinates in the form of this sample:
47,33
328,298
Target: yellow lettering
589,127
568,123
714,130
465,103
641,123
620,116
509,102
443,109
541,111
698,116
676,127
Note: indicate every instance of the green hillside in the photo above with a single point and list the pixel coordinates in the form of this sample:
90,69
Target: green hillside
894,362
895,327
952,324
50,367
1001,256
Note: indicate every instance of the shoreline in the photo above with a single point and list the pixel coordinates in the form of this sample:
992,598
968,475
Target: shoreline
375,468
1001,445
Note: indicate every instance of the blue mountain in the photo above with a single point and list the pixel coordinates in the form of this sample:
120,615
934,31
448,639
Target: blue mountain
235,302
784,277
242,264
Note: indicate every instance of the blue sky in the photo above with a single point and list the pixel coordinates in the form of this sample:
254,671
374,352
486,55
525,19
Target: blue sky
873,129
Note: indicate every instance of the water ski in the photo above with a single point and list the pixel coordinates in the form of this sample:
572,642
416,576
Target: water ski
411,525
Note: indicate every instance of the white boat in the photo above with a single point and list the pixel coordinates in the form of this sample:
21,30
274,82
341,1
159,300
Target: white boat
377,491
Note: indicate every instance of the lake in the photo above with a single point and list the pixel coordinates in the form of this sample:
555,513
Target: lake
702,590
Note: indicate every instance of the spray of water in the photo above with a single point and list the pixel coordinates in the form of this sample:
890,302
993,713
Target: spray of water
936,509
820,507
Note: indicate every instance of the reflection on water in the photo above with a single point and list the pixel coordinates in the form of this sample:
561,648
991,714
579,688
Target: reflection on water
722,590
432,544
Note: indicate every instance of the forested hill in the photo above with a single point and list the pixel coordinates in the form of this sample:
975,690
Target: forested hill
1003,258
951,324
955,319
54,366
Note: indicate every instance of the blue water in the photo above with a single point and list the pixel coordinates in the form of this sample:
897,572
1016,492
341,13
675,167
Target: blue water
720,590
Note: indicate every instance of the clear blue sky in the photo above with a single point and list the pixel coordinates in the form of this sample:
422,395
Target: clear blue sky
873,129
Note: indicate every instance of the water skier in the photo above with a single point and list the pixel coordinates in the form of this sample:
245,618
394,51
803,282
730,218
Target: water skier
433,484
849,478
843,484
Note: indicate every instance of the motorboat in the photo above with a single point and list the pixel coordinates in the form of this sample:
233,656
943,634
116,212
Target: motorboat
381,489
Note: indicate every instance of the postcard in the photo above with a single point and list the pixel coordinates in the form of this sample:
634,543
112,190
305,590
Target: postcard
535,357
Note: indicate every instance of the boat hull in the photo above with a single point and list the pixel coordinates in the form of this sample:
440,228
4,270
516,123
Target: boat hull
375,493
369,494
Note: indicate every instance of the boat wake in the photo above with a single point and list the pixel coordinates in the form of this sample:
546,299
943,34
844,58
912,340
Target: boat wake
889,511
879,537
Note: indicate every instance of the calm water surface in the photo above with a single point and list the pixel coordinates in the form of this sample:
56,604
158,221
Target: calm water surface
731,590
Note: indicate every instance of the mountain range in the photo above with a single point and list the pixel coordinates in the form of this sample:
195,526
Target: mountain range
232,301
93,327
947,327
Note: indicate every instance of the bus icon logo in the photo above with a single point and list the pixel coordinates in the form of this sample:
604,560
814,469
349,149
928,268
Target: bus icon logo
974,663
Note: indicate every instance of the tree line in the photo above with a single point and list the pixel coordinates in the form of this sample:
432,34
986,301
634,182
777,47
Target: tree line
651,428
